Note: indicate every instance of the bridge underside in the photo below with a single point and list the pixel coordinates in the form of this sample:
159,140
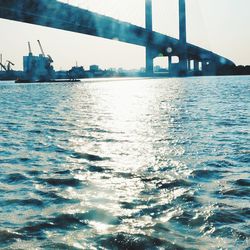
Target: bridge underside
54,14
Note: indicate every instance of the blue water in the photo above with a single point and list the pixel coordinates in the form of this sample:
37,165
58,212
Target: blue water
131,164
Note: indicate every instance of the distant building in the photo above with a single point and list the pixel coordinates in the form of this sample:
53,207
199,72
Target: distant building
38,67
157,68
112,69
76,72
94,68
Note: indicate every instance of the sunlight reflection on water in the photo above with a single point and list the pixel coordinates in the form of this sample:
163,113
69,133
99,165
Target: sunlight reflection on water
143,164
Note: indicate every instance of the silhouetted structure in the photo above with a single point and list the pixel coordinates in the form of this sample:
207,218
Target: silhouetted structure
234,70
149,29
52,13
183,69
37,68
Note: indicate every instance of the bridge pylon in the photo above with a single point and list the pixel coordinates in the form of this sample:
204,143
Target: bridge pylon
149,28
183,58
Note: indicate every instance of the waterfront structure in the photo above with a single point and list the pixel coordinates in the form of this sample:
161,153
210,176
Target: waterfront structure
37,68
183,38
52,13
93,67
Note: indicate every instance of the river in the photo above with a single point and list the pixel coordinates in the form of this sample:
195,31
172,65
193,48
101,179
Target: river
126,164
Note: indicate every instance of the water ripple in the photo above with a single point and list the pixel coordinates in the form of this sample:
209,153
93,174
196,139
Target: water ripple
132,164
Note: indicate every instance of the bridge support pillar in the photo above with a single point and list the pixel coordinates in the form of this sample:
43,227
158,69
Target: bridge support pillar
183,65
149,27
189,65
204,67
208,67
212,68
170,65
149,61
196,66
183,38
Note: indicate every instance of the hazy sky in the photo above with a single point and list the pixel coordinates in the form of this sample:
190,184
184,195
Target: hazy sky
219,25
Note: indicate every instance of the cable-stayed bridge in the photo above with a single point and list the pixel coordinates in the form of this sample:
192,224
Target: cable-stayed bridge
55,14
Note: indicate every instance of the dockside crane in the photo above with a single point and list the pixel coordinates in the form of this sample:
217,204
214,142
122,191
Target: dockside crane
9,63
7,67
1,60
3,67
43,54
41,48
30,52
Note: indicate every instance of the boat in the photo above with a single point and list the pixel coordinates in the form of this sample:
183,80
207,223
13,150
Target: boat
48,81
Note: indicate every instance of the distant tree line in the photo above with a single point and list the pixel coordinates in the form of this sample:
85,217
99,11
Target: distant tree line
234,70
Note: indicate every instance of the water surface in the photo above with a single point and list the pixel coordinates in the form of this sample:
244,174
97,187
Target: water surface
131,164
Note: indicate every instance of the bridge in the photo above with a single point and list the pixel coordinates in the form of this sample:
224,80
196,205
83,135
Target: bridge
55,14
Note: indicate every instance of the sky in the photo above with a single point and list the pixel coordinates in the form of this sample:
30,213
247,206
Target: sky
218,25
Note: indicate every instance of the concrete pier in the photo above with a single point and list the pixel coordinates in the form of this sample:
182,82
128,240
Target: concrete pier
170,64
196,66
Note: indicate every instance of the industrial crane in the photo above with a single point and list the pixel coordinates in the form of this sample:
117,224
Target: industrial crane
30,52
1,60
9,63
41,48
3,66
43,54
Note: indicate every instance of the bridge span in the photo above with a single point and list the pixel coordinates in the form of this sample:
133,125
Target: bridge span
55,14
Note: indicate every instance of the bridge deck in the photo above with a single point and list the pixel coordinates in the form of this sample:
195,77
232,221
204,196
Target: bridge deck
52,13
